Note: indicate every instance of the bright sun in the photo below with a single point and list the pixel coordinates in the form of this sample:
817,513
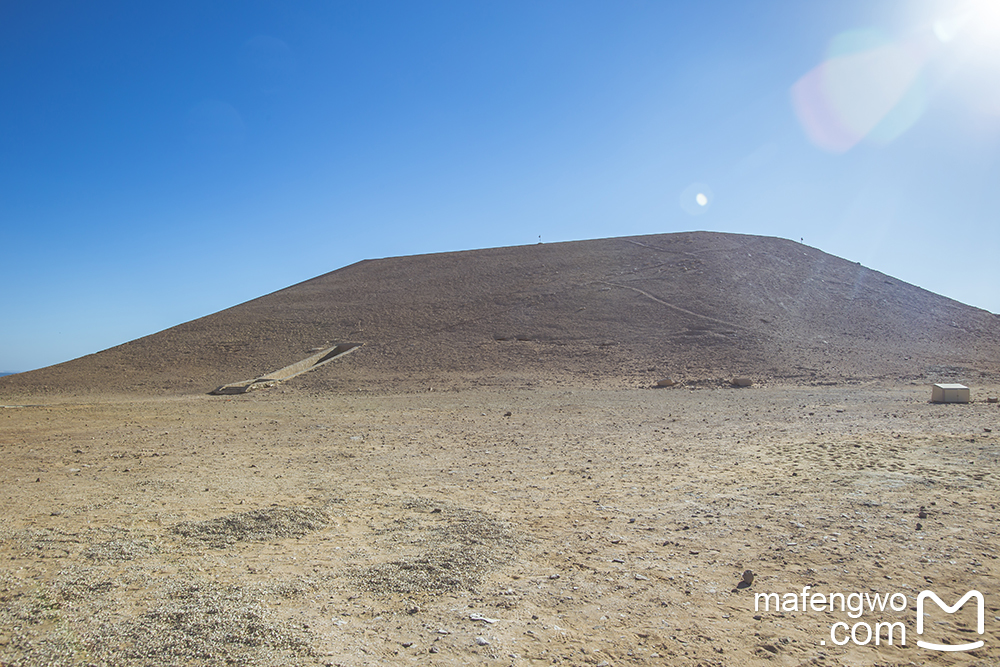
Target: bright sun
979,20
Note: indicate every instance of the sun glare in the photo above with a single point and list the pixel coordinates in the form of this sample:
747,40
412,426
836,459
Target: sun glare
986,16
978,22
971,39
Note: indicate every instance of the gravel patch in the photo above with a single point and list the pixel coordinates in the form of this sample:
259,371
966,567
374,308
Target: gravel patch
45,543
256,526
450,549
182,621
197,622
120,550
25,608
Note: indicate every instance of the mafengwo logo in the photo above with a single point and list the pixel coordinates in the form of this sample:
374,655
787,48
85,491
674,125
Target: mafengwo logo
980,616
881,632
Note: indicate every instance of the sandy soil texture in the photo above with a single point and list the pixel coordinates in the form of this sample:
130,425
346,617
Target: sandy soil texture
513,525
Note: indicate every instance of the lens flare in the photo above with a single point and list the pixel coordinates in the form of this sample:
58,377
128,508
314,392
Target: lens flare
868,87
696,198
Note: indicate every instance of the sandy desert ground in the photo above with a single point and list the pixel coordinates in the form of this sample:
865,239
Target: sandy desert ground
509,525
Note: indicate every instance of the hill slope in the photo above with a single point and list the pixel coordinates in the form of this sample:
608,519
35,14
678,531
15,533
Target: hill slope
695,306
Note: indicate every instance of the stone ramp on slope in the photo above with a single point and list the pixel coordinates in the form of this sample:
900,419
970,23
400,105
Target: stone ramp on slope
288,372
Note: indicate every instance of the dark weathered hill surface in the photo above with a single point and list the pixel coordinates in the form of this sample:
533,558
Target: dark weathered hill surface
695,306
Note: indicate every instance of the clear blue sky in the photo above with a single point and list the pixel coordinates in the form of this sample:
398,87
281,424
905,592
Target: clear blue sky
163,161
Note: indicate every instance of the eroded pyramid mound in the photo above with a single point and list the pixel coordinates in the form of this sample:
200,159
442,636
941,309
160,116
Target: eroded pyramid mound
622,311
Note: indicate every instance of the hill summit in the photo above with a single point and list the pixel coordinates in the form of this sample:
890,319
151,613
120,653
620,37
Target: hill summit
695,306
